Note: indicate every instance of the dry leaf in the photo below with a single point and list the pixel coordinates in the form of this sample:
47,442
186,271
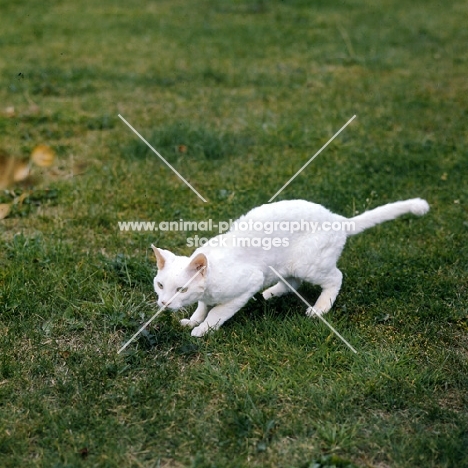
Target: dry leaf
5,209
12,170
10,111
7,167
20,171
43,156
182,149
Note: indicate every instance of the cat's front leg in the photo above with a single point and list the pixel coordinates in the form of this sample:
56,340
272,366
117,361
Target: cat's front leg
222,312
250,282
218,315
197,317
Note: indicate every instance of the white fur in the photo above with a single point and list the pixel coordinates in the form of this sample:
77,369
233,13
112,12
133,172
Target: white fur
232,274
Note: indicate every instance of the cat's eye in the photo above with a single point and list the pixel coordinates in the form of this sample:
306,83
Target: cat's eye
160,286
182,290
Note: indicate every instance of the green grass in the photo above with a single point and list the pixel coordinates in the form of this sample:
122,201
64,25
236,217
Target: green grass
237,95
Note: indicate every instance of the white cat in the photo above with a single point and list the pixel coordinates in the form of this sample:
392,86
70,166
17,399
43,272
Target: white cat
234,266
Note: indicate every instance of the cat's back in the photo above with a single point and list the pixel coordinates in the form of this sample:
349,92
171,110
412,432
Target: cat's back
289,210
289,235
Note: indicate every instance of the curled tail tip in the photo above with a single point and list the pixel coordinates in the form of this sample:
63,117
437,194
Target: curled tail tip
420,207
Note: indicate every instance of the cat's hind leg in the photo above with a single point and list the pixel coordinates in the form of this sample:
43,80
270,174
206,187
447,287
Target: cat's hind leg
330,288
281,288
197,317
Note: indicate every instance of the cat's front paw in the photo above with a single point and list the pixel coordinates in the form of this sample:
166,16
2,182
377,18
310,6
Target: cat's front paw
199,331
188,323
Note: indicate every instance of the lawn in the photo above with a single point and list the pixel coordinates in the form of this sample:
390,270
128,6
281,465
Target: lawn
236,95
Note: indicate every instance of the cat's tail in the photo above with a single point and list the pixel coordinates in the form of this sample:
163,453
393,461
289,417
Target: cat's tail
387,212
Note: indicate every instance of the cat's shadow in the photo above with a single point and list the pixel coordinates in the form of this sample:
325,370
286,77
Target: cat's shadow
165,335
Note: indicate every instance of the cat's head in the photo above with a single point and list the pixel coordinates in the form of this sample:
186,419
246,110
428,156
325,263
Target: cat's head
180,281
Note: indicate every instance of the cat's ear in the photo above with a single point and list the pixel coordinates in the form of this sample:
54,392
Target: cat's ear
162,256
200,262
